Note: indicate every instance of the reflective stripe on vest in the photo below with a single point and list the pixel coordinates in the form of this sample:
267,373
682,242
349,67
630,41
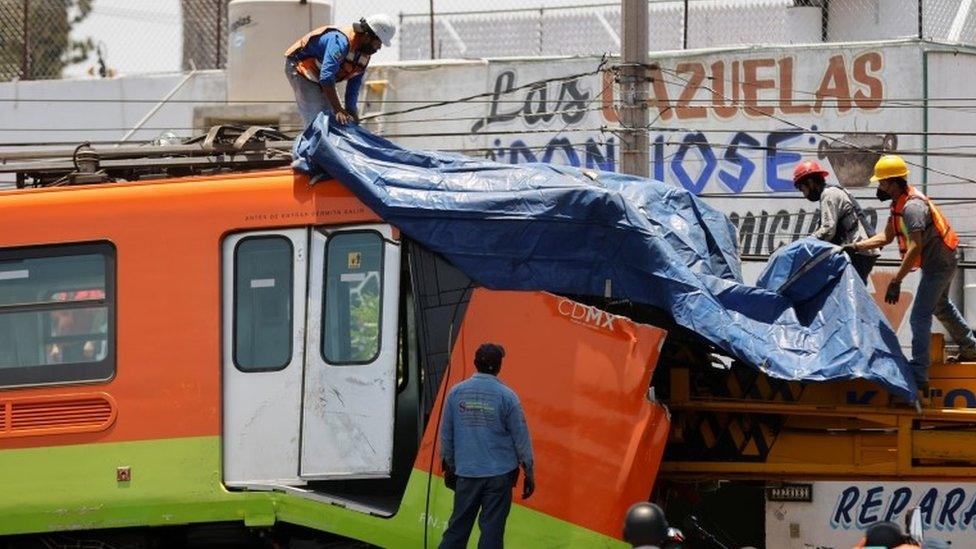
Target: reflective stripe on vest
354,63
949,237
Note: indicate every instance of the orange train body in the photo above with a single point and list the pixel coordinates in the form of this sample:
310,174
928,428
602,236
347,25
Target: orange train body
583,376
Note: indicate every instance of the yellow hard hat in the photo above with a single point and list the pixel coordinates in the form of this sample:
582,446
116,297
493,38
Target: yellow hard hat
889,165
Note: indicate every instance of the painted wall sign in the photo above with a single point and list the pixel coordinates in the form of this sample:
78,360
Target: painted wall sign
728,125
840,511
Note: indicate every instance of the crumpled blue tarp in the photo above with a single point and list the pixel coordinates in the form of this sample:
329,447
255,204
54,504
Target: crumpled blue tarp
573,231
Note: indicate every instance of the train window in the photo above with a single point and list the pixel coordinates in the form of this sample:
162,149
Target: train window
353,298
57,314
263,316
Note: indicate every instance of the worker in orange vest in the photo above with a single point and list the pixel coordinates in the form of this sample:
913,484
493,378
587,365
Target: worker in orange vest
926,241
318,61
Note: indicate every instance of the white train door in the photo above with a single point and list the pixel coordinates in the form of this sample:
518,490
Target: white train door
350,359
264,288
309,355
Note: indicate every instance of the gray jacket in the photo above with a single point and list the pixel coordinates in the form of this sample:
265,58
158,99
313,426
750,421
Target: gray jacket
839,220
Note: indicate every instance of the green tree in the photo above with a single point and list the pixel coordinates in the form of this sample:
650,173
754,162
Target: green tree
48,43
364,324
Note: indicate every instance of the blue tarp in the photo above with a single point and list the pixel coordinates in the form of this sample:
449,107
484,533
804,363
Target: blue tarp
574,231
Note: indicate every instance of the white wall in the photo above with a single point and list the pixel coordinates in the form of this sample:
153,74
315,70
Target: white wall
47,111
834,517
872,19
951,77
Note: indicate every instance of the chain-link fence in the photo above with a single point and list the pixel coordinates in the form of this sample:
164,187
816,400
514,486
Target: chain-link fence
35,39
681,24
103,37
204,34
59,38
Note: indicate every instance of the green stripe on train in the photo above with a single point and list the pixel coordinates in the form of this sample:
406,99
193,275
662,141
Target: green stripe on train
177,481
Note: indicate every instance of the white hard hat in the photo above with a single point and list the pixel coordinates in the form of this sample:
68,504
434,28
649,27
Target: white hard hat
382,26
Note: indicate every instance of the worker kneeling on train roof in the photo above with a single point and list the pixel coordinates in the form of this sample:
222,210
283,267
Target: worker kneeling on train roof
926,240
842,221
318,61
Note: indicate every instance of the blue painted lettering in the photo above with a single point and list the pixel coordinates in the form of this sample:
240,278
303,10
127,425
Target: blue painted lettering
698,141
776,158
563,145
658,160
872,499
845,503
733,156
969,515
927,505
898,503
598,159
965,394
559,150
953,501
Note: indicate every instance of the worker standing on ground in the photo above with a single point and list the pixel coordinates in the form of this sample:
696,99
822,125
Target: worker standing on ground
925,241
484,439
318,61
842,221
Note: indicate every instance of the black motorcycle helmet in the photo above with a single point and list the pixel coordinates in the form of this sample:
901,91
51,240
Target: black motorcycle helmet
883,534
645,525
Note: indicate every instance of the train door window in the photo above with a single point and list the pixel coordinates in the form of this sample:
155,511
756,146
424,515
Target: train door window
353,298
57,314
263,316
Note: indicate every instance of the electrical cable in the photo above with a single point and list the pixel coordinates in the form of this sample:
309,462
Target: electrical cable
835,139
492,93
445,379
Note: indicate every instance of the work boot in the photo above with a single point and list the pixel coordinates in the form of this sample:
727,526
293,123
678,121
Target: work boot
965,355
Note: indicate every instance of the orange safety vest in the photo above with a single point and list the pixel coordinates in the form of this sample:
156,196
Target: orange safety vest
949,237
354,63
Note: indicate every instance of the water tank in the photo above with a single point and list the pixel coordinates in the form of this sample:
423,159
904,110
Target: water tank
259,33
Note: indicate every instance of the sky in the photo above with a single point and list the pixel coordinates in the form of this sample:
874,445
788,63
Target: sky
144,36
137,36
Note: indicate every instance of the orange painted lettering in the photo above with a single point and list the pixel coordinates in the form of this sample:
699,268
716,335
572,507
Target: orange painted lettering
786,104
834,84
866,69
660,99
722,110
752,85
606,98
684,109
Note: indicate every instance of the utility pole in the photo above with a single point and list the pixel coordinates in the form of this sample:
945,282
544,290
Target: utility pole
635,147
431,29
25,63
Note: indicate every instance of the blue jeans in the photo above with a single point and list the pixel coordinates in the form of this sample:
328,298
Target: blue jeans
311,101
493,497
932,298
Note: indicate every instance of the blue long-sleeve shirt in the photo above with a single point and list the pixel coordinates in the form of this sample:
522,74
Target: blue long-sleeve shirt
331,48
483,430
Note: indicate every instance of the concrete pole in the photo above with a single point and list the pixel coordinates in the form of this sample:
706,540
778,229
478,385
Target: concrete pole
635,146
431,29
25,64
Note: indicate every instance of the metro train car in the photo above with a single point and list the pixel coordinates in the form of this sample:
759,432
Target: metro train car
247,358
